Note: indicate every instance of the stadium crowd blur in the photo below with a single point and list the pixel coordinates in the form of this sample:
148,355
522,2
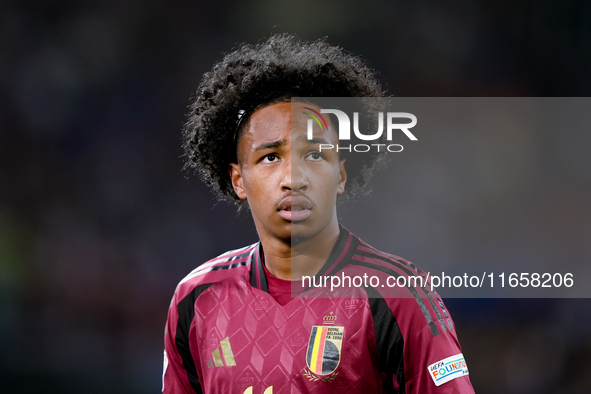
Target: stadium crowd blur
98,223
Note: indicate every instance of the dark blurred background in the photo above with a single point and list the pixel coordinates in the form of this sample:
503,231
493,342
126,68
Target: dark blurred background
98,223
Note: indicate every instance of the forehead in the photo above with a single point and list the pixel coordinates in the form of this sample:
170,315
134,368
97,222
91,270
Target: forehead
272,117
283,121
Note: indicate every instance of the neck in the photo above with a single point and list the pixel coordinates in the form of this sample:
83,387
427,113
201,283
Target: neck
289,261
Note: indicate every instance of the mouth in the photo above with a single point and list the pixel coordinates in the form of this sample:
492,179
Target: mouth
294,209
294,214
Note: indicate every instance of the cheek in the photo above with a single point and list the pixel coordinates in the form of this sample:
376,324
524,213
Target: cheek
328,180
257,186
336,173
251,188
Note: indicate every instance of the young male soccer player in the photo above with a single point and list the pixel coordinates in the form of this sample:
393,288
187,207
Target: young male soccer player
233,326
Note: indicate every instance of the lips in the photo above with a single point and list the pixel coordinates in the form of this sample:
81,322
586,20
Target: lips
294,208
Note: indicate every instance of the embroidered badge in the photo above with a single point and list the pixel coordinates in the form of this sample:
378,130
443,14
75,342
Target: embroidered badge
448,369
324,349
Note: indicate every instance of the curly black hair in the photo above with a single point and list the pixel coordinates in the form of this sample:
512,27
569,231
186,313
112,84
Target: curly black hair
253,76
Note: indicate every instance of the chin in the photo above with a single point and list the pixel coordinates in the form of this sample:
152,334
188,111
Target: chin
294,233
301,231
282,231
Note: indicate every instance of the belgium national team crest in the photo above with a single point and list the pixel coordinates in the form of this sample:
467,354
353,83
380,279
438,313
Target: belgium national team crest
324,349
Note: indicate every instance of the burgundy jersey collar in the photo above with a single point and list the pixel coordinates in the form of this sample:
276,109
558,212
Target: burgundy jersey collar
339,257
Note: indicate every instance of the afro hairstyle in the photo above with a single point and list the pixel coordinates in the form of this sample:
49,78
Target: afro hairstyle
254,76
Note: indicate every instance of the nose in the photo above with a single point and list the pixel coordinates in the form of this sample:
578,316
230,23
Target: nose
294,178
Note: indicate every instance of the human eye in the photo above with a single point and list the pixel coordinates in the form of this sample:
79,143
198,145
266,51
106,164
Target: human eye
269,158
315,156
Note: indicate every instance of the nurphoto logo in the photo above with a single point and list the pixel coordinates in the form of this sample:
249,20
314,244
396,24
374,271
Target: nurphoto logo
344,126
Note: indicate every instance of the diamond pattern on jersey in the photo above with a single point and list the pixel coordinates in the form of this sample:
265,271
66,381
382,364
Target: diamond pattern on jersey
286,358
212,339
295,341
241,341
232,308
208,304
278,378
252,317
269,342
245,379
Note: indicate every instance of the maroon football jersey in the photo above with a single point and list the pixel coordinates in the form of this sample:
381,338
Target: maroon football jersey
226,334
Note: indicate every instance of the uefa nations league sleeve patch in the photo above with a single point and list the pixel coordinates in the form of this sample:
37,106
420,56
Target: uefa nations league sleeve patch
448,369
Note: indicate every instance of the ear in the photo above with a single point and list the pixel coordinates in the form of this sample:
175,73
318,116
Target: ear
237,180
342,178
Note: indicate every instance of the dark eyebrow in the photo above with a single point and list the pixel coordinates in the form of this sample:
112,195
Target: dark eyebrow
279,143
314,140
270,145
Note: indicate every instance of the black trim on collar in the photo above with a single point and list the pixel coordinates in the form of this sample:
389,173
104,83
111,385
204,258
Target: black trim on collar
257,272
340,256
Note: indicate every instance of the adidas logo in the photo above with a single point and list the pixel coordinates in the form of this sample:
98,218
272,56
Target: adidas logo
216,359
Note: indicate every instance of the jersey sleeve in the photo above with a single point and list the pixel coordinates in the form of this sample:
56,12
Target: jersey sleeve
417,347
435,364
175,378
